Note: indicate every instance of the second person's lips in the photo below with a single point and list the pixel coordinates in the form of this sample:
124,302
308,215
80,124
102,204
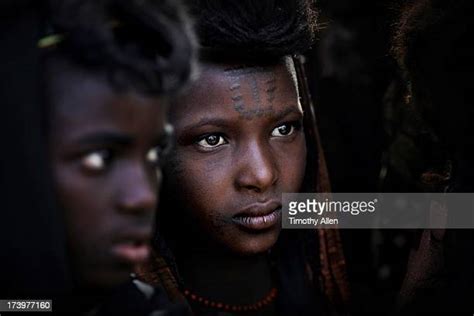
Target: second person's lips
133,248
131,252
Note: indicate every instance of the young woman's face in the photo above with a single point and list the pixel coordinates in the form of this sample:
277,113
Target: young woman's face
105,148
240,145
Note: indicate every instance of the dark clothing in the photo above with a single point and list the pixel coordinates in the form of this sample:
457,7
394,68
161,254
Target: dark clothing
131,300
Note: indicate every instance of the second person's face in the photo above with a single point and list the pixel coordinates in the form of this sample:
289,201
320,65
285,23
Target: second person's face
105,150
240,145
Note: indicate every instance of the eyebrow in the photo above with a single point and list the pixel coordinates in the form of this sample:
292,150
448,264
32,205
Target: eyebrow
221,122
101,138
213,121
287,111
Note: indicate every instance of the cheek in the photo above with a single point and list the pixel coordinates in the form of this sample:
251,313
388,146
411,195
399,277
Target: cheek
201,183
85,210
292,166
201,187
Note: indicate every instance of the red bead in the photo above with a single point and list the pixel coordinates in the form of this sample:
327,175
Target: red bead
253,307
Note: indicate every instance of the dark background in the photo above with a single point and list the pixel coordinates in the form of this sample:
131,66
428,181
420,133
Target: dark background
350,71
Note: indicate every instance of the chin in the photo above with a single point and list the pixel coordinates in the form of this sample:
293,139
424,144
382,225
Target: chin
254,244
107,279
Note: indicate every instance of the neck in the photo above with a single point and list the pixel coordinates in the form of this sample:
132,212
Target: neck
84,301
88,298
224,276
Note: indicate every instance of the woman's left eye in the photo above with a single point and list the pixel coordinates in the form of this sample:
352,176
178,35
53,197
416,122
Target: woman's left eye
284,130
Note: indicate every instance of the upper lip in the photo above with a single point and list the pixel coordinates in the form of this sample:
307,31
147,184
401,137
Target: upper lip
259,209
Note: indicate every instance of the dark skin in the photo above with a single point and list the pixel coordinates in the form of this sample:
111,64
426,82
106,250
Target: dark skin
240,145
105,149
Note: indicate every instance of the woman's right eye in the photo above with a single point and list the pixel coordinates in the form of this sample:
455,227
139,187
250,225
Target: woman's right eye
212,141
96,160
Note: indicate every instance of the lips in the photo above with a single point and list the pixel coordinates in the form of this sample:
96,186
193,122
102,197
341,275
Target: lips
259,216
133,249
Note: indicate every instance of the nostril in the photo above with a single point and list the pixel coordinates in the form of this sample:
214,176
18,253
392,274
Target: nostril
256,184
255,189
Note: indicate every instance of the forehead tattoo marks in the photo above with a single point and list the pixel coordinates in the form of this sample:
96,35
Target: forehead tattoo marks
258,79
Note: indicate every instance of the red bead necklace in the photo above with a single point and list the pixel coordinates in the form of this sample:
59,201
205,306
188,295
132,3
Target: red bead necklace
269,298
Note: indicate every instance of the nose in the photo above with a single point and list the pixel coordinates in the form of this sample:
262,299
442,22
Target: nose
138,191
257,170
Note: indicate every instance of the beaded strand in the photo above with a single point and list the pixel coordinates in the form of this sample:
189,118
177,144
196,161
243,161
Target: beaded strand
269,298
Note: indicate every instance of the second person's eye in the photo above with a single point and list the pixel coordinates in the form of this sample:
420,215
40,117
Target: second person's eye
96,160
212,141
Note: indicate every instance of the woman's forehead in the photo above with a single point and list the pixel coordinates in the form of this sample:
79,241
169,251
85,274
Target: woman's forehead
250,91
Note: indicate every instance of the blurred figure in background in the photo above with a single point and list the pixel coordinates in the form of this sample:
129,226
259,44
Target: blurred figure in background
432,46
105,68
350,70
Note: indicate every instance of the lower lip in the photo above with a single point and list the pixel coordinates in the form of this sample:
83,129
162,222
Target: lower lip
131,253
259,222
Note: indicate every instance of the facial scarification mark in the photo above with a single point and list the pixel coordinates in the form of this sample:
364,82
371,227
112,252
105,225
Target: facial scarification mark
271,88
255,91
235,86
252,77
237,97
